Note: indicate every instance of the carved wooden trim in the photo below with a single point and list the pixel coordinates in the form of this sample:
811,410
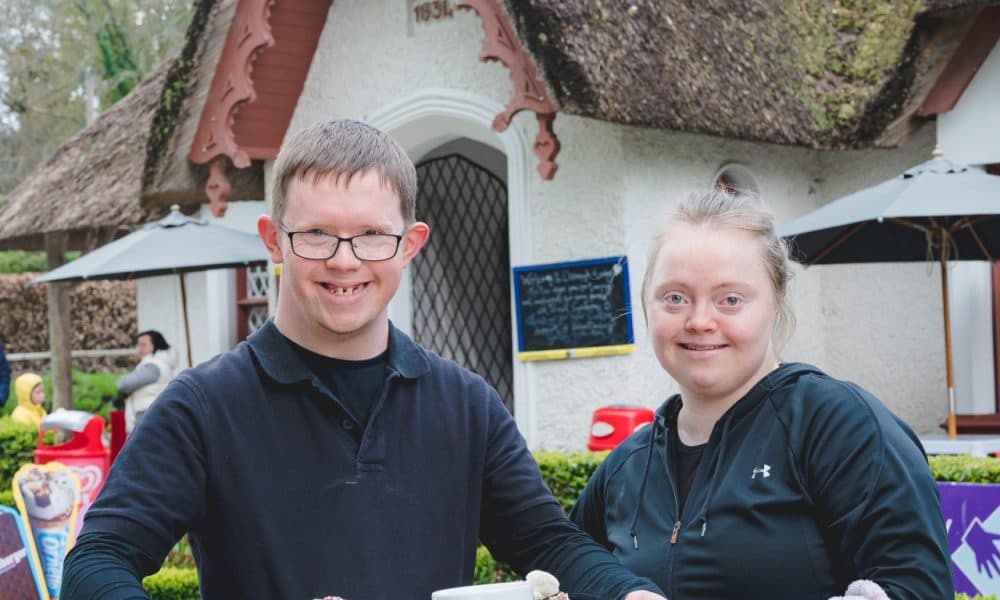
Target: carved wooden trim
232,86
217,187
502,44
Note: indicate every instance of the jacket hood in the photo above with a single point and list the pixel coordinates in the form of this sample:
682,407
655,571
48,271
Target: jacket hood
22,389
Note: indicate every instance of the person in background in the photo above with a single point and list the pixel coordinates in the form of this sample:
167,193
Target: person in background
4,377
761,479
157,366
329,454
30,393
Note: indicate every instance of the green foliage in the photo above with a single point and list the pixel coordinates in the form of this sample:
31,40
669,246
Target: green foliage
567,474
18,442
53,51
489,570
965,469
172,583
93,392
117,62
976,597
22,261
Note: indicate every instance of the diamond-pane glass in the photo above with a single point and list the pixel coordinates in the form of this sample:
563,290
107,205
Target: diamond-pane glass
257,282
461,284
256,317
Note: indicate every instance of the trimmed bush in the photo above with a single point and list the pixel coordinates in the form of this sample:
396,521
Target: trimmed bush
17,447
965,469
172,583
567,474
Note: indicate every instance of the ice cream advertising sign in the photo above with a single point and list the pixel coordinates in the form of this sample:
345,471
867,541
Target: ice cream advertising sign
20,573
48,496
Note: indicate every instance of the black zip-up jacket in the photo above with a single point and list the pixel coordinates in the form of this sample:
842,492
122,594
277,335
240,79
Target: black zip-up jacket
806,484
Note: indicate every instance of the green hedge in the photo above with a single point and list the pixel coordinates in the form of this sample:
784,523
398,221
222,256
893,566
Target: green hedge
173,583
965,469
17,447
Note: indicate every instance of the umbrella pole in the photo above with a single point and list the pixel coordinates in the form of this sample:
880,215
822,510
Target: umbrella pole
952,422
187,328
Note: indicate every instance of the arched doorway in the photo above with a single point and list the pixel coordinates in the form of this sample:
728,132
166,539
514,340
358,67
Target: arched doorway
461,278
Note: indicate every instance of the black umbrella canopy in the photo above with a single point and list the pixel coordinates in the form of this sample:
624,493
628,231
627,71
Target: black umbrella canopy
905,219
936,211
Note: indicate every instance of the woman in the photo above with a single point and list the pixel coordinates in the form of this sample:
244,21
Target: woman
760,479
157,366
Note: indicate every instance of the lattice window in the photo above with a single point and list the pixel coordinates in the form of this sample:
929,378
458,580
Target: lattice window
461,279
251,285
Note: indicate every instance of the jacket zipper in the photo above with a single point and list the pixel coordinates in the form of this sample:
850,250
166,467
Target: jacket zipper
676,531
675,534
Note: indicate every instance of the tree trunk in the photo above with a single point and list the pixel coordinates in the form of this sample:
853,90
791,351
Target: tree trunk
59,324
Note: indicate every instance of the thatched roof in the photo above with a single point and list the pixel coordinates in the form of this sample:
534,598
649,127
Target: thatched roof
816,74
89,185
810,73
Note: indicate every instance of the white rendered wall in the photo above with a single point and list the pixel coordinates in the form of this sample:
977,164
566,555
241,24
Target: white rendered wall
877,325
970,296
970,131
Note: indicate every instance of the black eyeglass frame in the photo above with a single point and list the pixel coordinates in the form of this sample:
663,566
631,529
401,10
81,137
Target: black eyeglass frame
336,247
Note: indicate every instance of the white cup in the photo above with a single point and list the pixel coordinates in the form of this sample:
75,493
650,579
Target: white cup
514,590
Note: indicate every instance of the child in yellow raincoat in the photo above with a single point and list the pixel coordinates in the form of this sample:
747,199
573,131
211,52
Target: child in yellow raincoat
30,397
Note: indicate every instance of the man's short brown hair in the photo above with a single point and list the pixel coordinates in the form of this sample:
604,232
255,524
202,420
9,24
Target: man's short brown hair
343,149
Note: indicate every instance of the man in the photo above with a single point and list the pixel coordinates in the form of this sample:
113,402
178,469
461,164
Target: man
157,364
330,455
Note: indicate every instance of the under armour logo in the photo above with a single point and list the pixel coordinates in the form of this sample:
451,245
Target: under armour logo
765,471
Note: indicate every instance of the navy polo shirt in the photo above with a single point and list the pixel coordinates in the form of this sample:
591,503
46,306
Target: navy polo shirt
285,496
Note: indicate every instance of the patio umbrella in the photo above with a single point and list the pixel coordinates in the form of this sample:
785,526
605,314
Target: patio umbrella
938,210
174,244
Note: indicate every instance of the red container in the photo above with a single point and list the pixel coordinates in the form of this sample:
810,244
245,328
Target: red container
610,425
84,453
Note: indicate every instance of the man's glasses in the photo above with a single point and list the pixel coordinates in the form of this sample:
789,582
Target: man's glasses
318,245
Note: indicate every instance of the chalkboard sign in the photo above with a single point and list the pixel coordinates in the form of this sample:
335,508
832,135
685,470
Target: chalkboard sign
573,309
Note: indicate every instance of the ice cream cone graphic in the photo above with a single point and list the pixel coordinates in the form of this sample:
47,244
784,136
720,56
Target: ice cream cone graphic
47,497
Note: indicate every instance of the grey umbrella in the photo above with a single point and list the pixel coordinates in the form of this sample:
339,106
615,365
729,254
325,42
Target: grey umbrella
937,210
174,244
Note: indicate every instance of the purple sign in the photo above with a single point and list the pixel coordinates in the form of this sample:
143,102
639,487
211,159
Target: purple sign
972,517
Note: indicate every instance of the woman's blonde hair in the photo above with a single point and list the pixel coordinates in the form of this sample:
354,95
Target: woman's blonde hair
740,211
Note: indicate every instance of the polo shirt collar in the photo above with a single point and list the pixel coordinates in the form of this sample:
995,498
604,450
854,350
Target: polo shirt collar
278,358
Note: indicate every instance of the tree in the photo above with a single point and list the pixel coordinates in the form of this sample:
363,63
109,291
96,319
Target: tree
60,61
